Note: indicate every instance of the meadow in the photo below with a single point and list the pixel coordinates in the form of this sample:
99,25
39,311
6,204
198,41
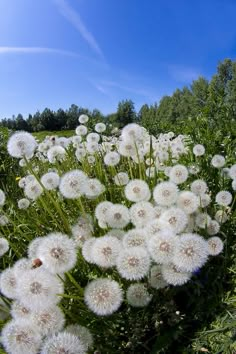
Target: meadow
118,243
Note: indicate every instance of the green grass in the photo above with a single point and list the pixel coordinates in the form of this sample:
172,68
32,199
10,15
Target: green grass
65,133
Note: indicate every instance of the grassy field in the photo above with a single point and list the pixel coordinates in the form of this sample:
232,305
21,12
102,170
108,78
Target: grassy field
65,133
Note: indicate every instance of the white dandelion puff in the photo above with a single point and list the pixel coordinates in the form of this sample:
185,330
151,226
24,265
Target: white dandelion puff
33,247
2,198
118,216
23,203
8,283
134,238
202,220
232,172
50,180
121,179
132,132
204,200
71,184
105,251
19,311
87,249
21,144
221,216
48,321
133,263
57,253
224,198
178,174
100,127
93,138
199,150
81,130
33,190
188,202
161,247
218,161
213,227
63,343
174,276
112,158
103,296
21,336
4,246
175,218
215,246
155,279
191,252
141,214
83,118
165,193
39,289
92,188
56,153
82,333
137,190
137,295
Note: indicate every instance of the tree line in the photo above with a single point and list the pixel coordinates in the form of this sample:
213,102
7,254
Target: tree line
214,99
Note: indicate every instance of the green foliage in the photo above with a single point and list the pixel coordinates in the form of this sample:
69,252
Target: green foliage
8,165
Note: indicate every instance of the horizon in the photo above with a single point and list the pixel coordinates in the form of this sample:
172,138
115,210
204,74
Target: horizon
62,52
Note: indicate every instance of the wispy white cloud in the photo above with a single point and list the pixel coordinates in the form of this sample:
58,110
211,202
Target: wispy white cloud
36,50
135,90
183,73
99,87
74,18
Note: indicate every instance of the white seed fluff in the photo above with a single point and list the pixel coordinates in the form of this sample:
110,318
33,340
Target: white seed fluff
57,252
133,263
137,295
191,252
20,337
63,343
215,246
137,190
21,144
165,193
103,296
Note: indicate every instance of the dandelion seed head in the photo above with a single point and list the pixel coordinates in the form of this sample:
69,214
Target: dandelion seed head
178,174
57,252
71,184
137,295
63,343
21,336
165,193
191,252
105,251
215,246
133,263
103,296
141,214
137,190
83,118
173,276
218,161
4,246
50,180
175,218
223,198
21,144
155,279
23,203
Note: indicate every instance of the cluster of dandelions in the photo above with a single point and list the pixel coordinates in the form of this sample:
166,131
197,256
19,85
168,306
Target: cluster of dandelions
142,213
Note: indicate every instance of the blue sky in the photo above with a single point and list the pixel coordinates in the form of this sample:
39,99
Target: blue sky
95,53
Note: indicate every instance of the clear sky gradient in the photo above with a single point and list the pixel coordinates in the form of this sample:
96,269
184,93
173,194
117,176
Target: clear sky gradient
95,53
